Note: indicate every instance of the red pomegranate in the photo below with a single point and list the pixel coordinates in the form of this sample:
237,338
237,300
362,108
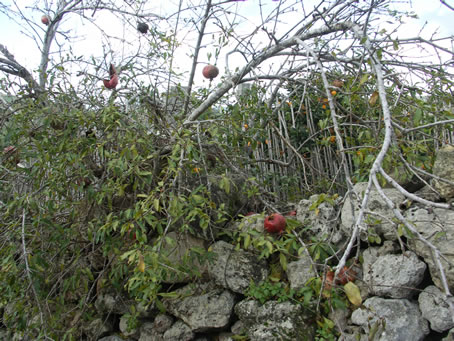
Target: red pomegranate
113,81
45,20
275,223
210,71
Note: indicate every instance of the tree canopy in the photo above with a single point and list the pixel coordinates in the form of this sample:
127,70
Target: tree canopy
311,97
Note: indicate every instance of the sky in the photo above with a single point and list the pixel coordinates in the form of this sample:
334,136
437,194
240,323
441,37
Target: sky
431,13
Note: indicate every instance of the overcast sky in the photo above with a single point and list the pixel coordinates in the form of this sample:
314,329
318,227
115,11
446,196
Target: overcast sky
431,12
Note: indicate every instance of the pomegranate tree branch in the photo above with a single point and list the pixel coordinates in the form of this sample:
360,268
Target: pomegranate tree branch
266,54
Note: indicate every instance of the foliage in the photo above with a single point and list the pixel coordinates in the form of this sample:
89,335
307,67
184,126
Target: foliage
98,179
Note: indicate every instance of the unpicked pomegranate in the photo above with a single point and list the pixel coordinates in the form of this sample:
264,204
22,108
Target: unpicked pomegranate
210,71
275,223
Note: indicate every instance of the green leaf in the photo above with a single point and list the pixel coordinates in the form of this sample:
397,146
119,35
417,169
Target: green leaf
395,45
283,261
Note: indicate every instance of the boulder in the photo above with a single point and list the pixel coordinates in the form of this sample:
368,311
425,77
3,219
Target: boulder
177,249
391,319
437,226
235,270
109,303
300,271
126,329
252,222
380,224
179,332
435,309
321,215
450,336
147,333
203,307
394,276
274,321
444,168
162,322
98,327
113,338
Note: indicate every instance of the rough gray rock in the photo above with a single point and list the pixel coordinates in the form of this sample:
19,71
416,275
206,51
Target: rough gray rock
450,336
162,322
113,338
274,321
435,309
149,333
124,328
371,254
177,248
444,168
437,226
225,337
393,319
252,222
394,275
300,271
98,327
382,227
321,218
237,327
202,307
108,304
234,270
179,332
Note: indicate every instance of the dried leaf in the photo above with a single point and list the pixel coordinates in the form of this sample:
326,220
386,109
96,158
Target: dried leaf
373,98
353,293
141,265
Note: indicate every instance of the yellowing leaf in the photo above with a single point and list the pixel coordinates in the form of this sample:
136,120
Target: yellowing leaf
373,98
247,241
353,293
141,265
156,204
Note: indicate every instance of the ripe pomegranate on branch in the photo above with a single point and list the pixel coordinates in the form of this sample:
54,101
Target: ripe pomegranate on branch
275,223
113,81
210,72
45,20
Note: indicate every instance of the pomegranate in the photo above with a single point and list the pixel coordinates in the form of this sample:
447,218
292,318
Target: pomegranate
210,71
45,20
275,223
113,81
142,27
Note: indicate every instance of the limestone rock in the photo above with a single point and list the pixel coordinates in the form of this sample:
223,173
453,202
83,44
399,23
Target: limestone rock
98,327
179,332
450,336
125,328
108,303
320,217
393,319
237,327
382,227
274,321
435,309
148,332
252,222
444,168
300,271
234,270
395,275
202,307
114,338
178,253
437,226
162,322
